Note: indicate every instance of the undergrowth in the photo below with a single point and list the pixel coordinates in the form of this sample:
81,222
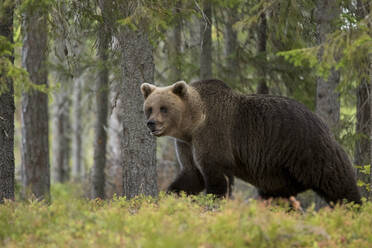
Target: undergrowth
168,221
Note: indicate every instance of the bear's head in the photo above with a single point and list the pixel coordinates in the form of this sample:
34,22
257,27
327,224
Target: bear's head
174,110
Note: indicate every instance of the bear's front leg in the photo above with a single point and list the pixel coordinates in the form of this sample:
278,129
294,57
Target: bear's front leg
189,181
217,181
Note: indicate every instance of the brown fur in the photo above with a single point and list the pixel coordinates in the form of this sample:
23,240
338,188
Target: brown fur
271,142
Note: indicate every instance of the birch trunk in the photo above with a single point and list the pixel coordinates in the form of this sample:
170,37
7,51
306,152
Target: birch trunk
77,171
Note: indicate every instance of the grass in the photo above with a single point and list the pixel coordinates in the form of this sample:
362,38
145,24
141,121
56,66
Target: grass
71,221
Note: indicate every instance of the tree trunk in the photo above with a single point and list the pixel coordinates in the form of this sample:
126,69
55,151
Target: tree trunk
364,9
114,169
206,42
231,46
61,134
102,91
363,129
7,114
138,146
61,123
370,123
77,131
327,98
174,49
261,48
35,145
363,146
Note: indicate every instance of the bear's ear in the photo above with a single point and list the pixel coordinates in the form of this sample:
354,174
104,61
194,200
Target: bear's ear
147,89
180,88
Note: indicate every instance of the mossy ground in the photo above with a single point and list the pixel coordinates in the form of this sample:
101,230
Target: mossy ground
71,221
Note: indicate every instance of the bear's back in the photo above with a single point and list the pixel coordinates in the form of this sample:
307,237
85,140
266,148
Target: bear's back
265,131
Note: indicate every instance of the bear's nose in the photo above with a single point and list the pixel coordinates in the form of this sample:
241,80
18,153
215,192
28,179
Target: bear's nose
151,125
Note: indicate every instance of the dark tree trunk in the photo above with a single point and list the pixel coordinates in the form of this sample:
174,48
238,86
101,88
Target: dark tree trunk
261,48
7,114
363,154
35,146
370,123
174,49
327,98
206,42
231,46
363,129
138,146
102,91
102,94
363,146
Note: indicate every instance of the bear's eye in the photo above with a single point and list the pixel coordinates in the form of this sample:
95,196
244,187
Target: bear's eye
148,111
163,109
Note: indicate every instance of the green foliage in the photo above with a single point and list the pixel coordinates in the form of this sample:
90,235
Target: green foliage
18,75
201,221
366,170
346,50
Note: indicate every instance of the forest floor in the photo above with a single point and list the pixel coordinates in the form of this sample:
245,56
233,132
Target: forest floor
72,221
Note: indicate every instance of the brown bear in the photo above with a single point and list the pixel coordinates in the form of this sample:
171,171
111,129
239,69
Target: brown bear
271,142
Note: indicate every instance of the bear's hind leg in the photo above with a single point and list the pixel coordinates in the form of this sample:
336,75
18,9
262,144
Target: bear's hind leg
333,195
336,185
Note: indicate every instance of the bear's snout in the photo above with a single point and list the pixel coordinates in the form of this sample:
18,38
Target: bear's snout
151,125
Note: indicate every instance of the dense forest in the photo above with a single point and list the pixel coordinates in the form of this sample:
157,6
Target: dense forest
70,75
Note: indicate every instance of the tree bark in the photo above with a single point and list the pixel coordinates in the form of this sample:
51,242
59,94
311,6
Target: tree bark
138,146
114,169
231,46
261,48
77,171
61,107
370,123
327,98
174,48
363,129
363,10
206,42
35,145
102,92
7,114
104,37
61,134
363,149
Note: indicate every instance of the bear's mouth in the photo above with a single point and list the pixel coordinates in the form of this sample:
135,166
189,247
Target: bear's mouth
157,132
